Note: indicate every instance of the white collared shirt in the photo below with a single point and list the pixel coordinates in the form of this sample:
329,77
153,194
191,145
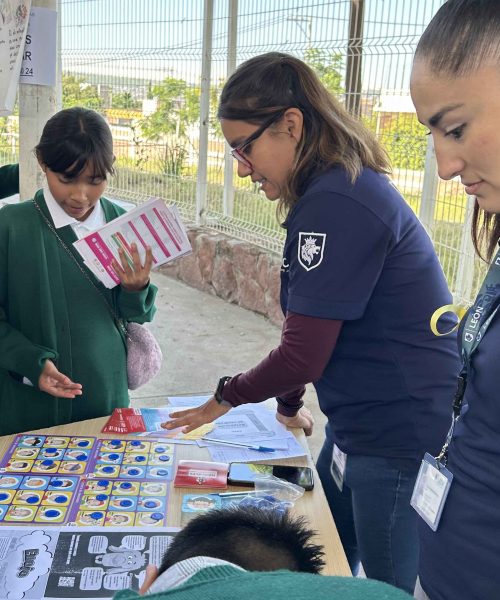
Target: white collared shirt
61,218
182,571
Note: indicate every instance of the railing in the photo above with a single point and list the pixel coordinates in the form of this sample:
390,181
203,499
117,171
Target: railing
145,65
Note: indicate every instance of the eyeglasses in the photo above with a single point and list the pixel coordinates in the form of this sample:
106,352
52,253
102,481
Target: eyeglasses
237,152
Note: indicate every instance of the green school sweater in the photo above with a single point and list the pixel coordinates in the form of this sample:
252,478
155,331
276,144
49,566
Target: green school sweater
48,309
227,583
9,180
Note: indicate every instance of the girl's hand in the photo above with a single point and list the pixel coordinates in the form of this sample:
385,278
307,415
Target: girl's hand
302,420
133,277
56,384
192,418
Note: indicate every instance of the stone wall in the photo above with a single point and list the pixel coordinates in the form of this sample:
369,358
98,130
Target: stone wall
234,270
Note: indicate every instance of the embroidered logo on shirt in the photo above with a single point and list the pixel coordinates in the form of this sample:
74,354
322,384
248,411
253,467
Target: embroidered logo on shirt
310,250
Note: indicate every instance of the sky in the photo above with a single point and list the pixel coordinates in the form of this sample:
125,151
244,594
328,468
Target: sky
153,39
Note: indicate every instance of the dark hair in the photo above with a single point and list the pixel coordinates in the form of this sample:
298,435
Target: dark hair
463,36
271,83
74,138
254,539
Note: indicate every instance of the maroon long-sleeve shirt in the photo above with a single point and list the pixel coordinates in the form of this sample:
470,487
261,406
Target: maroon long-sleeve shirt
306,346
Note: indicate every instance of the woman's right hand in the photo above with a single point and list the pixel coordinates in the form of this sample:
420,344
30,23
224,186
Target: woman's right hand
56,384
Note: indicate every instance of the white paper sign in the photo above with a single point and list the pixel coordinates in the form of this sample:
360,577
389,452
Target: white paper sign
14,16
40,50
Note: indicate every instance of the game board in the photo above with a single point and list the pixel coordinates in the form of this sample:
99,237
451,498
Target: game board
120,502
36,498
86,481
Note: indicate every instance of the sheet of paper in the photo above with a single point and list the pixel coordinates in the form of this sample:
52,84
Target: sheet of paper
152,223
222,453
14,18
79,563
186,401
249,423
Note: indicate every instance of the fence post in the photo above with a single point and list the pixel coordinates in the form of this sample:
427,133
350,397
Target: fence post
201,184
429,188
228,192
37,103
465,271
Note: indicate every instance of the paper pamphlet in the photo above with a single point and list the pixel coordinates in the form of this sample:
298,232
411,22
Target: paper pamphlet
153,224
60,563
149,420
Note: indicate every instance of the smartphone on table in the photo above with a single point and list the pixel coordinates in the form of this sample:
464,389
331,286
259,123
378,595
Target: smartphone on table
245,474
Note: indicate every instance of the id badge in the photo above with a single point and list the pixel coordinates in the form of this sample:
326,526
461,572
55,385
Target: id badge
337,468
431,490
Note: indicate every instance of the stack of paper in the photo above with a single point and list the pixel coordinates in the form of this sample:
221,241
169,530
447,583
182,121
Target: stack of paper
151,224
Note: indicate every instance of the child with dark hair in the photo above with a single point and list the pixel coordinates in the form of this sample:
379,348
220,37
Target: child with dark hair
62,355
272,541
248,553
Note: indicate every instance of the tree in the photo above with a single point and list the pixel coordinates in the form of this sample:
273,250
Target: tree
328,67
404,139
178,105
78,92
124,100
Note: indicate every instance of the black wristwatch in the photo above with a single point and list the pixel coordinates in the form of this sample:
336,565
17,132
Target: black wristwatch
220,387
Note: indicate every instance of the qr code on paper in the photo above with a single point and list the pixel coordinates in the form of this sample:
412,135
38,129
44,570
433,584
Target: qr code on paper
66,582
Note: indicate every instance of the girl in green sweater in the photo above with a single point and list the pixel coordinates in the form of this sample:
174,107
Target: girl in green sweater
62,357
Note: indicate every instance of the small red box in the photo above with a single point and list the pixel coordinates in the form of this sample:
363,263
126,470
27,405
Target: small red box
201,474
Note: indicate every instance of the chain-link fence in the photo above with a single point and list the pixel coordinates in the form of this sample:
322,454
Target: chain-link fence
152,67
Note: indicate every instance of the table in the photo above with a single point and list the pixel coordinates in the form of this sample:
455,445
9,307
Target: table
313,504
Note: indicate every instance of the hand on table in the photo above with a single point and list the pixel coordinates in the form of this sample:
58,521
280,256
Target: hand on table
192,418
302,420
56,384
136,277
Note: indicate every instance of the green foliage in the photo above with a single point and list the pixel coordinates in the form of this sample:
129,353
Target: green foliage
402,136
77,92
178,107
124,100
172,161
404,139
328,66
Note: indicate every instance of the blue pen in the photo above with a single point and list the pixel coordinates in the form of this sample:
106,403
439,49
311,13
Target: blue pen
239,444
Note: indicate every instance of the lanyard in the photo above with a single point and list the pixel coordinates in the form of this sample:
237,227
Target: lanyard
477,322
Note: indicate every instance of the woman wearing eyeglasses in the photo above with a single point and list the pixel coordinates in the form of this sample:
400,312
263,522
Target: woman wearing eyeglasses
359,284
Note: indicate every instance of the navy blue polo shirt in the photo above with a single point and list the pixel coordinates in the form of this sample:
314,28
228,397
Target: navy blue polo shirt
357,253
460,561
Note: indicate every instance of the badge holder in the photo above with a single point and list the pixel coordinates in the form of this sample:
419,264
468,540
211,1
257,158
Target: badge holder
431,490
337,467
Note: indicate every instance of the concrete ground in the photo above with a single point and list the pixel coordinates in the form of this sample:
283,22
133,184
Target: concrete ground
202,338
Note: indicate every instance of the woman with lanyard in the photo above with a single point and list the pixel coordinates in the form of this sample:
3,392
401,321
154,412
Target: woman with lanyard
360,281
455,86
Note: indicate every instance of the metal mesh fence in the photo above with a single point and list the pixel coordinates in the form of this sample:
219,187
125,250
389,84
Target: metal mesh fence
140,64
